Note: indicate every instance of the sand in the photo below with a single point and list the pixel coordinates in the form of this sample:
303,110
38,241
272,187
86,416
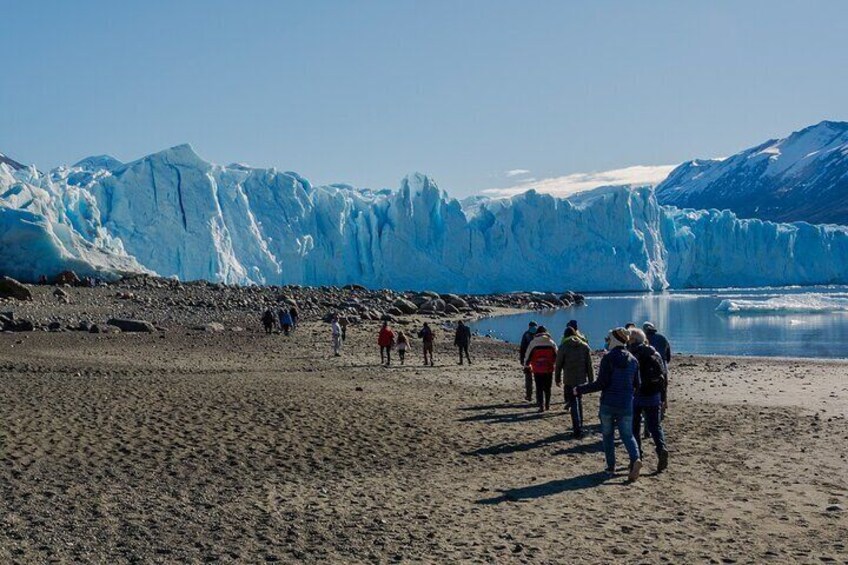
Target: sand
239,447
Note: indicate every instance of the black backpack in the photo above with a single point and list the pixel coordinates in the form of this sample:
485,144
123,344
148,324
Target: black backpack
651,372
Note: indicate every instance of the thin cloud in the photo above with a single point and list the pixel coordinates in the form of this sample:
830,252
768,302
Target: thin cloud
567,185
517,172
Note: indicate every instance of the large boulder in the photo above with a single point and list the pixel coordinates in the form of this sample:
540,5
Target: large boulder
10,288
434,306
405,306
132,326
451,309
67,277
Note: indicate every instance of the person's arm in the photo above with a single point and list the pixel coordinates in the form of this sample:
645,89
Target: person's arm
456,336
560,361
522,349
603,380
528,354
637,381
590,369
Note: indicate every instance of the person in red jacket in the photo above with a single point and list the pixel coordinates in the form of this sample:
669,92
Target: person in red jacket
386,340
541,360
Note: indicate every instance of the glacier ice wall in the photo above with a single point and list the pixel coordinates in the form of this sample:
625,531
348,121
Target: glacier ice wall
178,215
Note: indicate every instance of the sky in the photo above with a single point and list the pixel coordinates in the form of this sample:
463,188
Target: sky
478,94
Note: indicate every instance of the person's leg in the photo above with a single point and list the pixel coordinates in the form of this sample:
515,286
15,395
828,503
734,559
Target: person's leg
401,354
607,432
571,401
388,356
577,414
625,430
528,385
540,390
467,356
547,382
459,349
654,425
382,359
637,426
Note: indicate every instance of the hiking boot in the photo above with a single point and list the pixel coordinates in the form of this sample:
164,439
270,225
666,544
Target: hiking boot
635,469
663,461
610,472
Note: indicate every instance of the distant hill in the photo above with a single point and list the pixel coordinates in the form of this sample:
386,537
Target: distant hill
11,162
803,177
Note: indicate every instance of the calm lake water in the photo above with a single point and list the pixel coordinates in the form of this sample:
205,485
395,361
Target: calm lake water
775,322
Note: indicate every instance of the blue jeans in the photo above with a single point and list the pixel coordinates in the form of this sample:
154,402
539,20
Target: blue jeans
575,404
623,419
652,422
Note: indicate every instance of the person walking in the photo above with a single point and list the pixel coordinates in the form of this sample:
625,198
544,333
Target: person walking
541,360
402,346
651,398
577,333
428,337
386,340
618,379
268,320
343,322
658,341
336,329
285,321
574,368
522,352
462,340
295,316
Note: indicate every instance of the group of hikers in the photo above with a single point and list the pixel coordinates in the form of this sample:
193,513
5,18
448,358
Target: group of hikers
632,379
632,376
388,339
287,318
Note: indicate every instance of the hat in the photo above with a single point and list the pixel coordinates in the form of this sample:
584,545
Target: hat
637,336
618,337
541,330
629,325
571,324
649,327
533,324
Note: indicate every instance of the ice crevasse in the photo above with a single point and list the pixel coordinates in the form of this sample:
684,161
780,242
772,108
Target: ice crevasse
175,214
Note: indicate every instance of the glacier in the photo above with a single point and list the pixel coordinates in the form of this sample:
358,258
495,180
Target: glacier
174,214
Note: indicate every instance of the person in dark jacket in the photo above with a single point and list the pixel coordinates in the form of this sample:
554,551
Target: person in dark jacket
462,340
541,360
295,316
651,396
574,368
618,380
658,341
268,320
428,337
285,321
522,351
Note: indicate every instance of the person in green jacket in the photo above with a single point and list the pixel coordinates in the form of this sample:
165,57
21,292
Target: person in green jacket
574,368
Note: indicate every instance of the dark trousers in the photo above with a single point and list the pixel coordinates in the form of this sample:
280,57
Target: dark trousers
388,353
652,423
463,349
528,385
543,389
575,404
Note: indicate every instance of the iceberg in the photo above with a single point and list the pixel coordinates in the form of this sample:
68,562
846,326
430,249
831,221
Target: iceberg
803,304
177,215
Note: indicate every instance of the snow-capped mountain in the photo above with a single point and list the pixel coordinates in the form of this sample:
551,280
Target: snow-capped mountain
803,177
177,215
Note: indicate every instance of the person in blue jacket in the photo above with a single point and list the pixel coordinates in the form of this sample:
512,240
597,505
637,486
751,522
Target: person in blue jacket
618,380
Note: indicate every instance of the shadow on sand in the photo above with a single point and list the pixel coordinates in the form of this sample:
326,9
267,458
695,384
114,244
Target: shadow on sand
547,489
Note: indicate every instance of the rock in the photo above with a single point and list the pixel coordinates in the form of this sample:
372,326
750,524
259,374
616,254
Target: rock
429,294
60,293
84,326
67,277
54,326
10,288
451,309
132,326
458,303
835,508
17,325
95,329
212,327
405,306
394,311
354,287
436,305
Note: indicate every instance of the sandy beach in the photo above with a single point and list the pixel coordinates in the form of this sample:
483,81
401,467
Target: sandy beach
185,446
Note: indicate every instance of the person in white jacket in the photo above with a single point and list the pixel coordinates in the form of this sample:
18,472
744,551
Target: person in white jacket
336,329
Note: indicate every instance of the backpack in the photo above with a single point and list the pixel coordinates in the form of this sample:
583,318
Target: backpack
651,373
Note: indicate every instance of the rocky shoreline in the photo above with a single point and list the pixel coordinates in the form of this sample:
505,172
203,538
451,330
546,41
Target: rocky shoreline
146,304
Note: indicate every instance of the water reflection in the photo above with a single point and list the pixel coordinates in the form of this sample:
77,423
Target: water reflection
693,325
